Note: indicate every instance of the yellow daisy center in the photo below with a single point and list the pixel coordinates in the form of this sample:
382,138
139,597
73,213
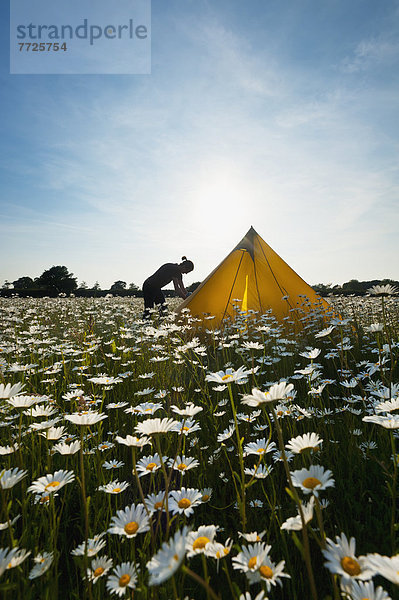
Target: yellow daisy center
252,562
52,484
44,499
124,580
175,557
350,565
182,466
151,466
116,490
184,503
185,428
311,482
226,377
200,543
158,505
266,572
261,450
99,571
205,498
131,528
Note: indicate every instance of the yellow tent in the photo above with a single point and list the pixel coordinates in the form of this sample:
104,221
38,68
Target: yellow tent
253,277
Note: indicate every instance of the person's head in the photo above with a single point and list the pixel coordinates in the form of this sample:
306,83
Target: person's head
186,266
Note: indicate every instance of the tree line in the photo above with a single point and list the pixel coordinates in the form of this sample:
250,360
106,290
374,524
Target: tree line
58,280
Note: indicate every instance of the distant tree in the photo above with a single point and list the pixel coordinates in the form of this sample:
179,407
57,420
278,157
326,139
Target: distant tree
133,287
23,283
96,287
83,286
6,285
57,279
118,286
353,286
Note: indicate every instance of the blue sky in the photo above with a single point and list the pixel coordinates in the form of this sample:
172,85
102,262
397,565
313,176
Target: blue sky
280,115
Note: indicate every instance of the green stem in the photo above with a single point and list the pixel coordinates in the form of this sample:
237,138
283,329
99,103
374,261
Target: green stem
201,581
305,536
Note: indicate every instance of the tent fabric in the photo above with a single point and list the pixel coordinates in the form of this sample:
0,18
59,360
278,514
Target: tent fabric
252,277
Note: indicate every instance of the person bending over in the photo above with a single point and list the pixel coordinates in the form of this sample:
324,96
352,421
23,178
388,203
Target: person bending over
152,287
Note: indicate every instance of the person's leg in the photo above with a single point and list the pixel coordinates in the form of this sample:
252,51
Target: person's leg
149,300
160,301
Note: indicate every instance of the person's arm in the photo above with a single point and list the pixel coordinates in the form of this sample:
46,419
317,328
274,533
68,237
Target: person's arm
179,287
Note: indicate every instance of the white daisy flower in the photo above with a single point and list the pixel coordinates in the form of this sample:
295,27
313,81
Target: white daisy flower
48,484
124,576
6,554
186,427
228,376
23,401
268,572
311,354
259,448
184,500
391,422
113,464
386,566
18,558
252,536
11,477
149,464
4,450
278,391
53,433
43,563
183,463
156,502
363,590
301,443
67,449
342,560
153,426
197,541
295,523
130,521
190,410
258,471
217,550
98,568
93,546
206,494
4,525
388,406
9,391
312,480
226,434
251,557
130,440
168,559
86,418
324,332
114,487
